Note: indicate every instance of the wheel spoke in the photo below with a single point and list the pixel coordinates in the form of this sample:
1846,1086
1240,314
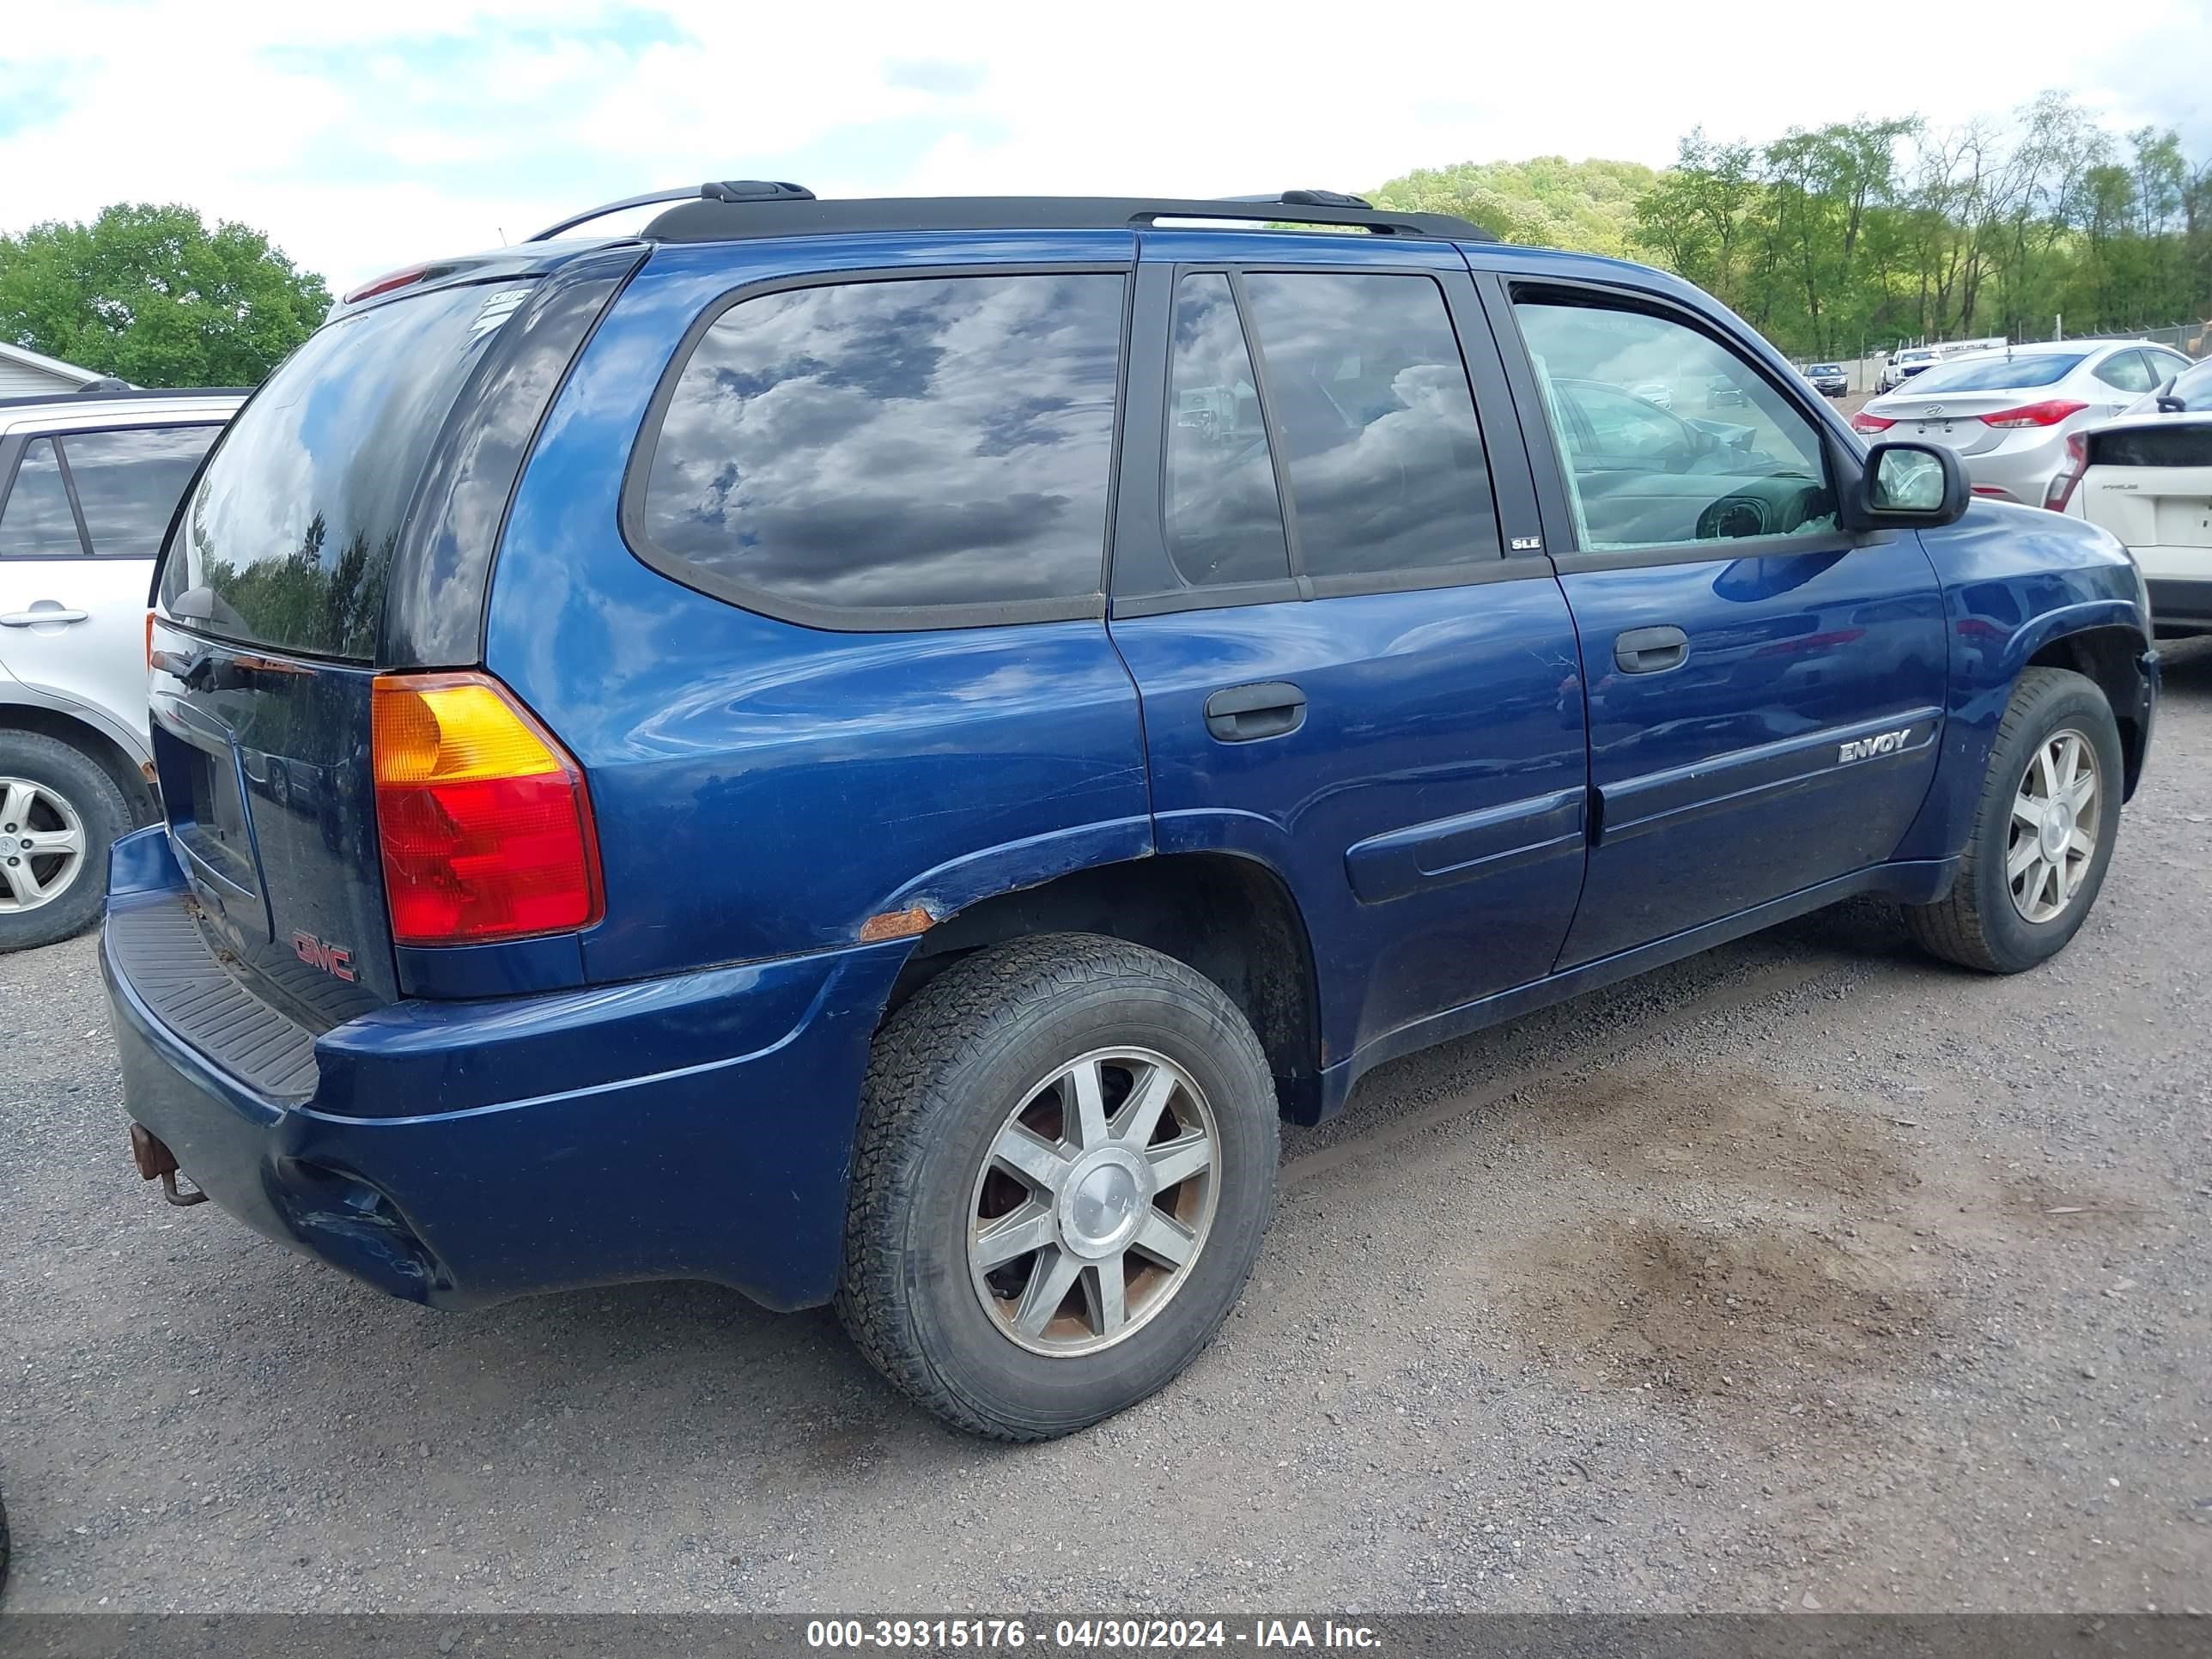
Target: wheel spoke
2027,810
43,842
1105,1288
1140,1113
2062,877
2083,793
1181,1158
1088,1120
1010,1237
1164,1239
2079,842
16,807
1050,1280
1031,1157
2028,852
2049,878
2044,771
23,885
2070,762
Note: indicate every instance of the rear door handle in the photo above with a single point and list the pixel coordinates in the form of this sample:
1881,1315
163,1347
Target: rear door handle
1649,650
1241,713
44,611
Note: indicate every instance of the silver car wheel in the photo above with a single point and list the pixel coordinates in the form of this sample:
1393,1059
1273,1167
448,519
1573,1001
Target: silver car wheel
42,845
2056,814
1094,1201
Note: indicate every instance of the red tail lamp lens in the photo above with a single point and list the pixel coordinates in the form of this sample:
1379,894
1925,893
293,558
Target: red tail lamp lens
485,825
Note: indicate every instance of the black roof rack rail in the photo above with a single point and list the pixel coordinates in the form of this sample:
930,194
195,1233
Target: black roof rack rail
704,215
727,190
96,393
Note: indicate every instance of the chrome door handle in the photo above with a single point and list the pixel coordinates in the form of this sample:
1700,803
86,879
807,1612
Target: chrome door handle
44,611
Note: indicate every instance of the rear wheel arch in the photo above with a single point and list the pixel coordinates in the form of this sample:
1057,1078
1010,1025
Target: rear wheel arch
96,745
1226,916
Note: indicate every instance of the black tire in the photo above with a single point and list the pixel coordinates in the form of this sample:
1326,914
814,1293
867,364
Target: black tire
91,793
948,1069
1977,924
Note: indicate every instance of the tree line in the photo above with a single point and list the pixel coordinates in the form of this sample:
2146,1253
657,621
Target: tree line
1879,233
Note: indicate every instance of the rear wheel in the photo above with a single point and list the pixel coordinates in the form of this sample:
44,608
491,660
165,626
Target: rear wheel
59,813
1066,1160
2042,833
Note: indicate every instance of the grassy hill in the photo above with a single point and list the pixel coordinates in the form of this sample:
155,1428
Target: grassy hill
1551,201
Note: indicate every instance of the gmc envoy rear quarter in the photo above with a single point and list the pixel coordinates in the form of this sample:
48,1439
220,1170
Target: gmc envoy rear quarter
869,750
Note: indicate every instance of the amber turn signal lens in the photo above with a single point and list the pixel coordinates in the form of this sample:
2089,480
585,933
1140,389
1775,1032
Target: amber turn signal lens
484,821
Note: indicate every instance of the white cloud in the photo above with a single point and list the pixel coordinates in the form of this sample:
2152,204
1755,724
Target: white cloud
361,137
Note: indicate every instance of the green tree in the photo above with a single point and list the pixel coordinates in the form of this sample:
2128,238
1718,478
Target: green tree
151,294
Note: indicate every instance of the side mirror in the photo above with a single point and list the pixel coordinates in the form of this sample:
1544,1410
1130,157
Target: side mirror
1910,486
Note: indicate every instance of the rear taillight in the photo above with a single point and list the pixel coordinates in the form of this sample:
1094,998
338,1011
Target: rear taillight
1863,421
485,824
2060,490
2042,414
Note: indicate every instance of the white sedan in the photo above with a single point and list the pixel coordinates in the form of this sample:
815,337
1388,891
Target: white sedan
2008,413
2147,477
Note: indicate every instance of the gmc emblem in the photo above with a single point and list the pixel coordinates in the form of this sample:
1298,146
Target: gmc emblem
333,959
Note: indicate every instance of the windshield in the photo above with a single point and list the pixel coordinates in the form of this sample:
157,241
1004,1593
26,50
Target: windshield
1825,369
1999,374
292,526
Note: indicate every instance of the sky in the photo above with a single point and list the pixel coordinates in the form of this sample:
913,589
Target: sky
364,137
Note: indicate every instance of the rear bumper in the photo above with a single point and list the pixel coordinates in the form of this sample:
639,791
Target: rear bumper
2179,607
454,1153
2022,470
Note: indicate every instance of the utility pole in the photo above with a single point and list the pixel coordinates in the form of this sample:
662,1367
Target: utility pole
2058,326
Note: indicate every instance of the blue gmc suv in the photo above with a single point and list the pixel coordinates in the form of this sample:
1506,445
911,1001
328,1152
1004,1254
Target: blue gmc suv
868,750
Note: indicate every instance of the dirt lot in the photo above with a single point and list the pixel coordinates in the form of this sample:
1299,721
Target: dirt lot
1806,1273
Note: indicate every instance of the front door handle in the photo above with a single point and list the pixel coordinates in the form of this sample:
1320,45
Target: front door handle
1649,650
41,612
1241,713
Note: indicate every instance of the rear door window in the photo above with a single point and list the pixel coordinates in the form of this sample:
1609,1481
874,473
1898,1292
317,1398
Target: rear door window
37,522
852,453
128,480
1223,515
2126,370
1384,455
292,527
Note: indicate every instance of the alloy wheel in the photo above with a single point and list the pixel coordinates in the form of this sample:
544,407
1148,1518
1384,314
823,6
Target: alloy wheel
1094,1201
2056,814
42,845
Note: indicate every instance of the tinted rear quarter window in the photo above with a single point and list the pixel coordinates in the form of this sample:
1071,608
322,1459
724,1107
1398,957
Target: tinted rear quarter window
128,481
292,526
889,446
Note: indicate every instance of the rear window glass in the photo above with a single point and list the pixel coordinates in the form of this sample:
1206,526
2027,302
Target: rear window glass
887,445
292,526
1998,373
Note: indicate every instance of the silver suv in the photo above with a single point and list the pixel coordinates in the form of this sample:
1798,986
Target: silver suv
87,484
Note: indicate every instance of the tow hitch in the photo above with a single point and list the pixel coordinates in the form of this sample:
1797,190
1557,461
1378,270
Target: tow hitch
156,1161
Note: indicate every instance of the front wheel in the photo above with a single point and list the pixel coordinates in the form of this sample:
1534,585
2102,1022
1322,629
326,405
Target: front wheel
2043,835
1065,1162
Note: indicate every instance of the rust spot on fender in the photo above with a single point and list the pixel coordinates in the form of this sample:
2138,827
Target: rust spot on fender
897,924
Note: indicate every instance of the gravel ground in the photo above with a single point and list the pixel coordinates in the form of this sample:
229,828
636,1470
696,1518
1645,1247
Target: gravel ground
1808,1272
